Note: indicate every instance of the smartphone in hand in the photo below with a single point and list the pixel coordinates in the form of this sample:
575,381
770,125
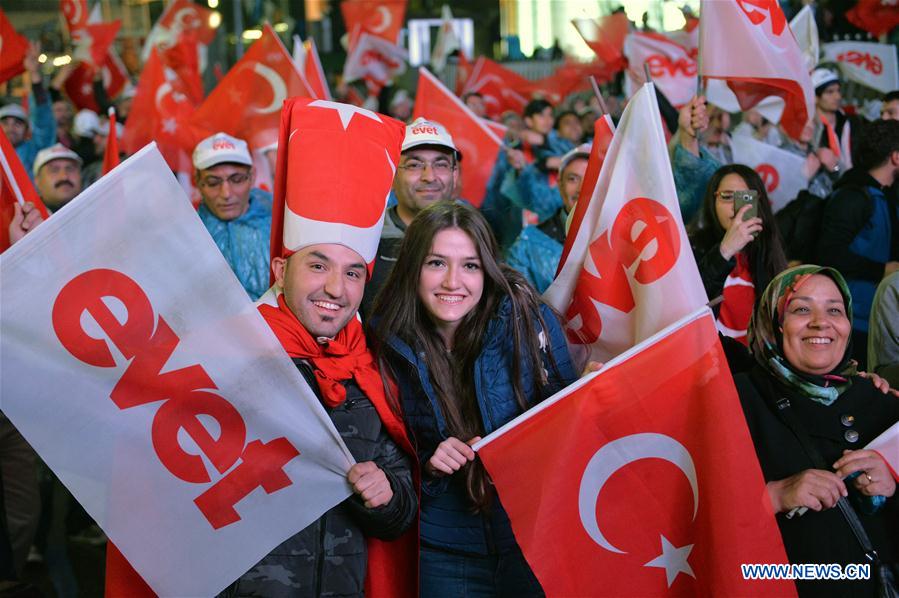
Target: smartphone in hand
746,198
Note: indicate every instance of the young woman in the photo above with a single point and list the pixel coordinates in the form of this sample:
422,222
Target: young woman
470,346
737,258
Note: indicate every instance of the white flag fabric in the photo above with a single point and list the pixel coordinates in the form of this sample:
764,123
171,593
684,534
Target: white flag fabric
375,60
447,40
805,29
629,272
782,172
137,367
671,67
887,445
871,64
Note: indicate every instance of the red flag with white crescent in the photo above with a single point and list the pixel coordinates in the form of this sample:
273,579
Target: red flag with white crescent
734,36
643,494
75,13
93,41
15,188
13,48
247,101
382,19
501,88
477,140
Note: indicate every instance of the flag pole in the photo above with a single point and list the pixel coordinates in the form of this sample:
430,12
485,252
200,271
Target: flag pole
602,103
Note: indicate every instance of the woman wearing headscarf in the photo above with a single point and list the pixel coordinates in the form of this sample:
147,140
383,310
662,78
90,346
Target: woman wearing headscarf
804,396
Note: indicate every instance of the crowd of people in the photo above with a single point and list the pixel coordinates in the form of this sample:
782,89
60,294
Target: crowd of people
455,340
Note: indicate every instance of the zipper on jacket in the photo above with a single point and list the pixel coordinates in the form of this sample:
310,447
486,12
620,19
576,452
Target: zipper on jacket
320,558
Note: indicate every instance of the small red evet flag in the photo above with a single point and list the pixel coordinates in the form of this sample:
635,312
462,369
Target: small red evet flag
751,46
13,48
111,155
15,188
247,101
877,17
478,143
641,480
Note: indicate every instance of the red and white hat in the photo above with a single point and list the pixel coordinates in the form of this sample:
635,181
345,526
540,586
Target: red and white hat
336,163
221,148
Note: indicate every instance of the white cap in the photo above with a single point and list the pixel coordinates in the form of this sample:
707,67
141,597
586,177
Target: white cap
400,96
823,77
103,129
581,151
428,132
14,110
54,152
86,123
221,148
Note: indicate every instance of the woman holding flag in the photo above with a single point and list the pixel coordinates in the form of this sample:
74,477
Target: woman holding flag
471,347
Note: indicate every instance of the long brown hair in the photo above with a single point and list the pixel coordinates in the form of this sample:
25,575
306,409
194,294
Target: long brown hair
399,312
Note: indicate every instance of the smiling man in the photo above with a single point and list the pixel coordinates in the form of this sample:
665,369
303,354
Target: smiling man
238,216
57,176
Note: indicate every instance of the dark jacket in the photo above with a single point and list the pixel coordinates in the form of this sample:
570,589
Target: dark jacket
388,250
328,558
822,537
447,521
858,236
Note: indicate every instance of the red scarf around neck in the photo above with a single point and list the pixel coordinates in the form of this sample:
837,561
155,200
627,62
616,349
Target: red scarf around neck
739,299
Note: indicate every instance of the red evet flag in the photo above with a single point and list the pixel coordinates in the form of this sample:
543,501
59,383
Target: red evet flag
15,188
749,44
160,112
478,143
629,271
13,48
671,67
501,88
247,101
605,36
111,155
603,133
382,19
656,488
877,17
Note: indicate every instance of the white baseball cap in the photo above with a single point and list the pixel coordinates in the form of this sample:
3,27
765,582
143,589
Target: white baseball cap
221,148
54,152
581,151
103,129
14,110
822,78
428,132
86,123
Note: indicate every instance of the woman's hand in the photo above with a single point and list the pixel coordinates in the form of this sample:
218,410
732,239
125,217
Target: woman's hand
815,489
879,383
592,366
370,482
739,234
450,456
875,479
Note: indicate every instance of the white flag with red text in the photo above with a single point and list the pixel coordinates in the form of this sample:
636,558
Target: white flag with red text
750,45
135,365
671,67
375,61
872,65
782,172
629,272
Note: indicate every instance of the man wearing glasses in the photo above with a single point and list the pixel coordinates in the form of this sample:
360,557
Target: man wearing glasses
428,172
238,216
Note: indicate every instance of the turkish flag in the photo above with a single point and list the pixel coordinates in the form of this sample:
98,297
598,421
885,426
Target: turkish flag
782,172
75,13
642,479
247,101
14,47
605,37
305,55
463,73
569,78
382,19
748,44
877,17
111,155
93,41
15,188
159,112
603,133
79,85
478,143
671,67
629,271
502,88
180,18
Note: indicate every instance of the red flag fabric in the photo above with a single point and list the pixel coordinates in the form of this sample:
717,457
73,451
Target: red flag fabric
605,37
877,17
15,188
603,132
749,44
111,155
79,85
613,289
463,73
179,19
93,41
13,48
315,74
619,478
247,101
502,88
159,112
75,13
478,143
382,19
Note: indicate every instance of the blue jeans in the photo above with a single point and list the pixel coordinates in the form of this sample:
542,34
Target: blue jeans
459,576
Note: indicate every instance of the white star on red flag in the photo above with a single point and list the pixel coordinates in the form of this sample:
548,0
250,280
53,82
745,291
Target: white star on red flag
169,125
346,111
673,561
